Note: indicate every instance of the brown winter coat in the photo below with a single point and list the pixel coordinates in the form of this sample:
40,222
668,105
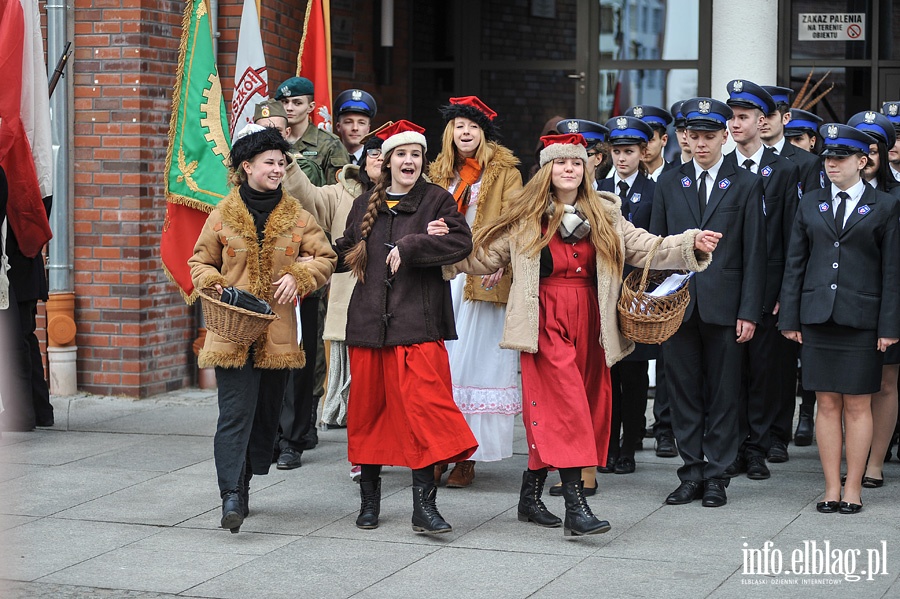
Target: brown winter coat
414,305
499,179
229,253
522,312
330,206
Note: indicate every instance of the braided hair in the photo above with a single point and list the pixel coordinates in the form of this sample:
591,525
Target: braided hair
358,256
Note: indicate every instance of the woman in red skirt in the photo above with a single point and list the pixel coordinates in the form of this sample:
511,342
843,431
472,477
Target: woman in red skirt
567,245
401,410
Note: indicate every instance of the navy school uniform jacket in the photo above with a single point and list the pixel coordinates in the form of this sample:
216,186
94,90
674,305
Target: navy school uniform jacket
732,287
637,208
852,278
781,180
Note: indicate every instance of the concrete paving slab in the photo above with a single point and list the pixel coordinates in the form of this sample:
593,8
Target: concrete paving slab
475,574
147,453
11,471
212,541
54,448
164,420
41,590
8,521
46,492
315,567
48,545
163,500
144,570
639,578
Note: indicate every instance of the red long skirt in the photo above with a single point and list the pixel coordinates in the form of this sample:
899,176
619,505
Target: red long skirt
566,385
401,410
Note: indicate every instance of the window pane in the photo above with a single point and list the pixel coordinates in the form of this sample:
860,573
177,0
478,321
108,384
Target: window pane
511,31
851,93
828,48
620,90
890,30
650,29
432,37
524,101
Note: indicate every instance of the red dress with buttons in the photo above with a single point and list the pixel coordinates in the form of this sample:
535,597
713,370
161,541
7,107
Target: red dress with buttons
566,385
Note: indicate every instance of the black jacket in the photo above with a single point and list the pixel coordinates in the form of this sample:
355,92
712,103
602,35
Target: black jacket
782,189
732,287
812,174
853,278
26,275
414,305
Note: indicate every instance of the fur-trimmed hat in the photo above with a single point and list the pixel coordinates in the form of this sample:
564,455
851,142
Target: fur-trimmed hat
472,108
571,145
254,139
400,133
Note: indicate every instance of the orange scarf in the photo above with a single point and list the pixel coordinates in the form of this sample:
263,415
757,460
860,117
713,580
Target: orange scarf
468,175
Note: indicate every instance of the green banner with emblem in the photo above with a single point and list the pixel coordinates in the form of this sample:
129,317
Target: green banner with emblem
196,160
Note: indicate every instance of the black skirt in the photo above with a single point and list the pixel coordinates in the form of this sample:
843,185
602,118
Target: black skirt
840,359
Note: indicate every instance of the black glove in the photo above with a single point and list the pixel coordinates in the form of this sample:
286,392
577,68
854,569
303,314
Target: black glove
245,300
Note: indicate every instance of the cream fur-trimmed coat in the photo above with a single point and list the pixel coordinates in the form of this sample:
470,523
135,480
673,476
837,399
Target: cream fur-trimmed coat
522,311
330,205
229,253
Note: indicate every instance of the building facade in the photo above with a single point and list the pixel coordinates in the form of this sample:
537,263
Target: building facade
529,60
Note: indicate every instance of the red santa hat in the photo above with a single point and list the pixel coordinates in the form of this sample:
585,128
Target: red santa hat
401,133
569,145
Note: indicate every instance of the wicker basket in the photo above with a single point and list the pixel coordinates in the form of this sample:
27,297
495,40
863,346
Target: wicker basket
234,324
644,318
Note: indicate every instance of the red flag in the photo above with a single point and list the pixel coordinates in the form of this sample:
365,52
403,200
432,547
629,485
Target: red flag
26,213
314,58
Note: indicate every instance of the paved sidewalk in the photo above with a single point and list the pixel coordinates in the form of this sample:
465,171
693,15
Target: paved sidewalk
119,500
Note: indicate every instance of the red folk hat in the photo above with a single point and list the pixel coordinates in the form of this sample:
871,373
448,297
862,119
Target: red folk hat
472,108
400,133
569,145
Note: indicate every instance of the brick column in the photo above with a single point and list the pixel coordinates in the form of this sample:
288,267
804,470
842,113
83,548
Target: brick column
134,330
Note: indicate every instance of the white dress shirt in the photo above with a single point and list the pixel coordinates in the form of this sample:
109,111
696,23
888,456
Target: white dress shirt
855,192
712,173
756,158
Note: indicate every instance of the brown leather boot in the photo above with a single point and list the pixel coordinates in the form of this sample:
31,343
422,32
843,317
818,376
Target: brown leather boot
439,470
462,475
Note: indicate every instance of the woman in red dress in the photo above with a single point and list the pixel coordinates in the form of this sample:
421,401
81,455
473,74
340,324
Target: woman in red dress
567,246
399,315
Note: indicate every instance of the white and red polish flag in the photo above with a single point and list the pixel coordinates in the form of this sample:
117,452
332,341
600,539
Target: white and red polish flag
251,80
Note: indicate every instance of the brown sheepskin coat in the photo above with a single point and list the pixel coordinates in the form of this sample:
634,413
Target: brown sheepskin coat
499,179
229,253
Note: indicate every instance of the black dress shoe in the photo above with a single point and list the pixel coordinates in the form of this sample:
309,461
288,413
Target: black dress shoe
778,453
872,483
686,492
289,459
232,511
827,507
849,508
756,468
803,436
714,493
610,467
624,465
738,466
665,445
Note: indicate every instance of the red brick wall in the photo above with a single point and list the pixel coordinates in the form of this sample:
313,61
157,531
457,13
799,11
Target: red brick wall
134,330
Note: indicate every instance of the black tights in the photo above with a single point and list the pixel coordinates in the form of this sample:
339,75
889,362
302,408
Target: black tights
566,475
421,477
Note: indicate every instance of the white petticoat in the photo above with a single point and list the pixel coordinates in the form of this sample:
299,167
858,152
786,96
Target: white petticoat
485,377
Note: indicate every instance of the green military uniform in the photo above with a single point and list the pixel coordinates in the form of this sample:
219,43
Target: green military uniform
323,148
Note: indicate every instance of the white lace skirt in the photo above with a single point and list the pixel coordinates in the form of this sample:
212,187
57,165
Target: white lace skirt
485,377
